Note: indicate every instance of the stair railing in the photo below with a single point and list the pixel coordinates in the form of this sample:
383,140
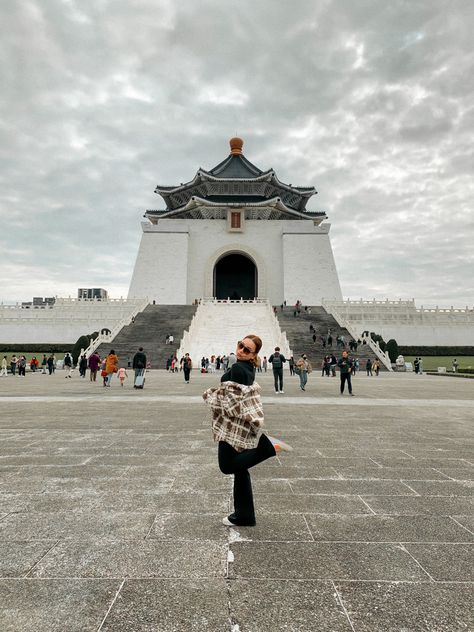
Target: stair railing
374,346
109,337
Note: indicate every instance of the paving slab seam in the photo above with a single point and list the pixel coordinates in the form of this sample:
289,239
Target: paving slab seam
461,525
111,606
341,603
286,401
366,504
41,558
417,562
410,488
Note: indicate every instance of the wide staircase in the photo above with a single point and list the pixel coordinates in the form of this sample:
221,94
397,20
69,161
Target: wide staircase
149,330
217,326
301,338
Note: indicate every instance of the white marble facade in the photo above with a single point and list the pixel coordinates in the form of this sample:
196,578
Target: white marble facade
177,257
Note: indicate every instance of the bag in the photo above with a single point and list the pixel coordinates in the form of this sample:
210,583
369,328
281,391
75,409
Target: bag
140,380
297,370
277,363
103,373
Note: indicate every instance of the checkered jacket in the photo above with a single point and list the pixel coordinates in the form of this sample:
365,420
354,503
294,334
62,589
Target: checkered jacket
236,414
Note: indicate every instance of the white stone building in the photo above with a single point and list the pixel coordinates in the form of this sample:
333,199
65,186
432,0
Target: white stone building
235,232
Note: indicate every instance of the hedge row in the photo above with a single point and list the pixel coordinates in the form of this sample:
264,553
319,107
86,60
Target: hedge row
436,351
470,371
36,348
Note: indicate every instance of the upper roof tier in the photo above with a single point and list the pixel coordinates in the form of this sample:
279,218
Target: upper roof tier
237,182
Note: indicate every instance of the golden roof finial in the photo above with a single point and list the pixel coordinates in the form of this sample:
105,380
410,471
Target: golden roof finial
236,145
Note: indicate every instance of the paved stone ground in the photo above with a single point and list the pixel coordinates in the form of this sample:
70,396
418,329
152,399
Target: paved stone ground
111,504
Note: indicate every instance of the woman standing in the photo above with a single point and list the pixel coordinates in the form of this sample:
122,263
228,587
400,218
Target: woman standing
187,366
237,420
304,366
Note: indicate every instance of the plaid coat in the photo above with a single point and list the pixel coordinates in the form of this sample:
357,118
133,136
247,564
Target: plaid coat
236,414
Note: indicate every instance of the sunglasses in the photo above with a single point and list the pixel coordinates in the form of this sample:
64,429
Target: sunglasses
241,346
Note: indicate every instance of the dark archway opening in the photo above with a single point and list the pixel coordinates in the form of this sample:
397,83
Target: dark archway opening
235,277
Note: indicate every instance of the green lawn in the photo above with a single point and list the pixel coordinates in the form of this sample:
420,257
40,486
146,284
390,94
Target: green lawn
431,363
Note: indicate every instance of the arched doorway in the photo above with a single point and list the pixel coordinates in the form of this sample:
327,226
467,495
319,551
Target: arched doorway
235,277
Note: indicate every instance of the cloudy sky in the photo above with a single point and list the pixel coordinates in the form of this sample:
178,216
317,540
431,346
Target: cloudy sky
371,102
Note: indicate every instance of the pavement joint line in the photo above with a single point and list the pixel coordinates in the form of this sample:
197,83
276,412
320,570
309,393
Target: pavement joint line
111,606
410,455
461,525
42,557
411,488
371,459
443,474
308,527
420,565
151,527
366,504
188,399
341,603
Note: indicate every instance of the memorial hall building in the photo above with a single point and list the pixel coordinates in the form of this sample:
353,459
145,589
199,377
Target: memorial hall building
235,232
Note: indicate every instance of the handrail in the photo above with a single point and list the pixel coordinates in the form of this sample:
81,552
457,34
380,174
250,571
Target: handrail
375,347
101,338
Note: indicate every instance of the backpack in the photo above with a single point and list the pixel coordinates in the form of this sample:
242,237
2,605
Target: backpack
277,363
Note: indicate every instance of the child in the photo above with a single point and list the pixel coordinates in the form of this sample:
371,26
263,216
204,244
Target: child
122,374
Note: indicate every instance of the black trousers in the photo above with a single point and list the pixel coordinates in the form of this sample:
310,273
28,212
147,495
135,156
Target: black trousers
346,377
278,378
238,464
186,373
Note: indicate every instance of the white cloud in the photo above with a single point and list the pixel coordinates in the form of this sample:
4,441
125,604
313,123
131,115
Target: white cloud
373,103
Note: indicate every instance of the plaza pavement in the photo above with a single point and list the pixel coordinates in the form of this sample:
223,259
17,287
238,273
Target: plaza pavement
111,504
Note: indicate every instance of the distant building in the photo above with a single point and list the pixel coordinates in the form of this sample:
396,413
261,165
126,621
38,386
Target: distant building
39,302
91,293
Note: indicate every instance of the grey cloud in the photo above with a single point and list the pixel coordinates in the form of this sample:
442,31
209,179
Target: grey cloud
370,102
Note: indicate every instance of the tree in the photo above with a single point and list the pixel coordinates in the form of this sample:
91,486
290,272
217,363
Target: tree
392,349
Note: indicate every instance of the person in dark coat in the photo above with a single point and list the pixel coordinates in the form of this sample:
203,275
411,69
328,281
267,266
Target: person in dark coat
94,363
139,362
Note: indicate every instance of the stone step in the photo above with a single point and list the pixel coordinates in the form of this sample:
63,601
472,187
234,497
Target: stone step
149,330
300,337
217,327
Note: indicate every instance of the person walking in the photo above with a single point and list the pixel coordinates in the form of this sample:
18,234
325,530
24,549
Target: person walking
139,363
376,366
333,365
304,368
51,364
13,364
4,371
111,366
83,365
345,365
368,367
291,364
277,360
44,364
237,423
455,365
122,374
68,365
94,364
265,363
187,367
22,366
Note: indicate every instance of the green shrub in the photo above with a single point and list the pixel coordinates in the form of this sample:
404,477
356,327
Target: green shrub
416,351
392,349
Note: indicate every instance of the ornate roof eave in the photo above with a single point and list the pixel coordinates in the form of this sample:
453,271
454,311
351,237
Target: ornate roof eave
265,176
275,202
